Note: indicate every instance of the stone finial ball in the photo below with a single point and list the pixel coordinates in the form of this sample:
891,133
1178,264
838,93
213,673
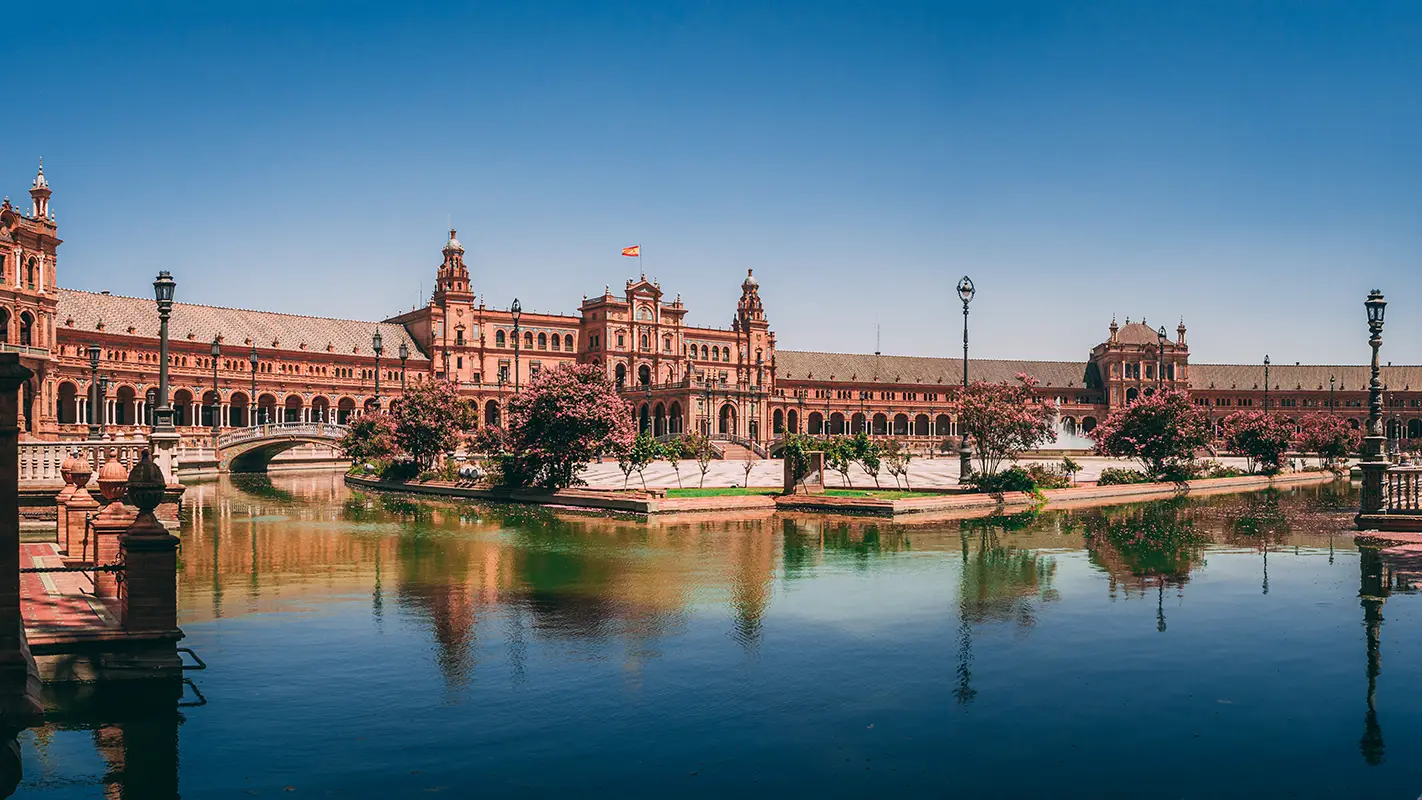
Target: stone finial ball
146,484
66,467
113,478
80,470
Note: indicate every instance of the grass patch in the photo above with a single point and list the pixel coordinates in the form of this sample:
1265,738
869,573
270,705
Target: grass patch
877,494
724,491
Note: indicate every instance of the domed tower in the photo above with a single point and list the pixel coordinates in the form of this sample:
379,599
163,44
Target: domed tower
1138,361
757,342
40,194
452,279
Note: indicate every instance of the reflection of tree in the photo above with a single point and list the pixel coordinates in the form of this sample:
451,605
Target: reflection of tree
1257,519
862,540
1144,546
434,584
999,583
259,484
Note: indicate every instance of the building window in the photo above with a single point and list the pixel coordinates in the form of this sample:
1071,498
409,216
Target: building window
534,368
542,341
459,336
621,341
459,362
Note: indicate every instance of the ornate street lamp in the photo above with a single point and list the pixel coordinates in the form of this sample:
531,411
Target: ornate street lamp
1160,358
965,452
404,356
216,399
1374,465
517,311
1332,404
163,288
1266,383
252,405
377,343
95,428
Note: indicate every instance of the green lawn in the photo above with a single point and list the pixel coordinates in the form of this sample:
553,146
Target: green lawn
877,494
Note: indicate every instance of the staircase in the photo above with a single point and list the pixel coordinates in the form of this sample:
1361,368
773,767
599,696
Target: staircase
730,451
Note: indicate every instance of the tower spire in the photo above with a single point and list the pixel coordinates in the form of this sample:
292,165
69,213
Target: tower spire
39,194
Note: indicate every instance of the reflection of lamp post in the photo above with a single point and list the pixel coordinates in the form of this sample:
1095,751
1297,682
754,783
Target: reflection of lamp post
95,430
1374,465
965,452
252,405
163,289
216,399
377,343
1266,383
404,356
517,311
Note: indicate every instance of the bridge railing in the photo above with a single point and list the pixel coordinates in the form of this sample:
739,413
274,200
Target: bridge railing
319,430
1403,491
39,461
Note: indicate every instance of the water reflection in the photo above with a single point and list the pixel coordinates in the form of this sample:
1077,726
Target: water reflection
525,620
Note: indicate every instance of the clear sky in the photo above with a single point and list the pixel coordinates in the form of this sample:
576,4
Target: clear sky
1254,167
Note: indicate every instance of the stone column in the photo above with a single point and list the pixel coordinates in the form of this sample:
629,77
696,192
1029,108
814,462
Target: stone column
19,680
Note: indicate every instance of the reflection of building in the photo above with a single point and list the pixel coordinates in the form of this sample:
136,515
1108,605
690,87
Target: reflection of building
679,377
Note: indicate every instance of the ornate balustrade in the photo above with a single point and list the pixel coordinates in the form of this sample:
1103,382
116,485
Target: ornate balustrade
1402,492
39,461
320,430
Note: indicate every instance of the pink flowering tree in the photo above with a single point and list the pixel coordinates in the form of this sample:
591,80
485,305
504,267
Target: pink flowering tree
371,439
1329,436
1162,432
1260,437
430,418
1004,419
563,419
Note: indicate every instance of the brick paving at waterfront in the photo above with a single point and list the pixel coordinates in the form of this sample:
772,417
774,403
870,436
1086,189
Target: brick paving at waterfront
59,602
924,473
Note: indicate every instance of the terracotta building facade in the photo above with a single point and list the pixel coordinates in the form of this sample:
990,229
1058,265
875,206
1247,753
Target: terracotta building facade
244,367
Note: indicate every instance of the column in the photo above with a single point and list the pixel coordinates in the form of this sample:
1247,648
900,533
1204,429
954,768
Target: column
19,704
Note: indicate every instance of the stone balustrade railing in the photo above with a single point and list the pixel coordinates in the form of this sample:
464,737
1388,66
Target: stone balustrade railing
39,461
1403,490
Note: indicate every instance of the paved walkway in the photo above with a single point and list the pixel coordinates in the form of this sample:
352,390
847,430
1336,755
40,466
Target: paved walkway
59,602
924,473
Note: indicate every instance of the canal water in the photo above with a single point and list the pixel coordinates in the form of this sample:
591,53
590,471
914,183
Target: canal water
361,645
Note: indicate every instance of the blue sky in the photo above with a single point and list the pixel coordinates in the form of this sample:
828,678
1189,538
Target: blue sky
1251,166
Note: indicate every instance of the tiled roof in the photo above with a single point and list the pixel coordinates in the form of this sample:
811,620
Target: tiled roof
1285,377
290,331
868,368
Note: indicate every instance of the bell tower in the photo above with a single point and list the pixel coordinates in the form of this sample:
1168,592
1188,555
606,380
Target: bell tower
452,278
753,331
39,194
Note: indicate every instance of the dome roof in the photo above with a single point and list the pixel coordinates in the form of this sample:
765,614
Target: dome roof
1137,333
453,245
750,282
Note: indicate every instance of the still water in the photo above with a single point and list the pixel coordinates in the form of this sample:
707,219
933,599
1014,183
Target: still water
371,646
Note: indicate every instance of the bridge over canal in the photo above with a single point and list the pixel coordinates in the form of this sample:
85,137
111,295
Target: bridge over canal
251,449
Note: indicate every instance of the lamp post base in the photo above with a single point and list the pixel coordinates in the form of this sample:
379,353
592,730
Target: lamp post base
965,463
164,446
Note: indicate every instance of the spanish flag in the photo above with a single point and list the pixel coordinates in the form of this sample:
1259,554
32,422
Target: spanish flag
634,251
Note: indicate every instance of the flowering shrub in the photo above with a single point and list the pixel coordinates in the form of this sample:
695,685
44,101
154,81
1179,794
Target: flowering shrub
1003,419
371,439
565,418
1115,476
1162,432
1260,437
429,420
1328,436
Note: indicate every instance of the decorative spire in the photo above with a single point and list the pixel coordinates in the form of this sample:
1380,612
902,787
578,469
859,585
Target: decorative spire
40,182
40,194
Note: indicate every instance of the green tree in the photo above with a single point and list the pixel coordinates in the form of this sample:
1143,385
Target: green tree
870,455
896,460
371,439
1162,432
645,449
563,419
1262,438
839,456
430,418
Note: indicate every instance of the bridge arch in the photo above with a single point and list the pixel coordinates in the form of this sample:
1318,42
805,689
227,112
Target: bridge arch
252,449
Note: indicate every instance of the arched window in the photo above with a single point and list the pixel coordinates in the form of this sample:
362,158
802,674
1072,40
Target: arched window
499,340
644,313
725,354
542,341
644,375
715,354
557,341
568,343
621,374
705,354
666,343
644,341
30,269
528,340
27,327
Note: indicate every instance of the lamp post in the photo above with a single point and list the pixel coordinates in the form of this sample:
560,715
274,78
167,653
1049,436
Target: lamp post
102,405
1266,383
252,406
517,311
94,429
163,288
1374,465
404,356
377,343
216,399
1160,358
1332,404
965,452
501,399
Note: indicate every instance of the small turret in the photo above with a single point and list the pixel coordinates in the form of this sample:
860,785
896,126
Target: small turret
1180,333
40,194
1114,329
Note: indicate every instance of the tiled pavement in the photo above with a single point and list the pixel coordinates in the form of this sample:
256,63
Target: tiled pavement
59,602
